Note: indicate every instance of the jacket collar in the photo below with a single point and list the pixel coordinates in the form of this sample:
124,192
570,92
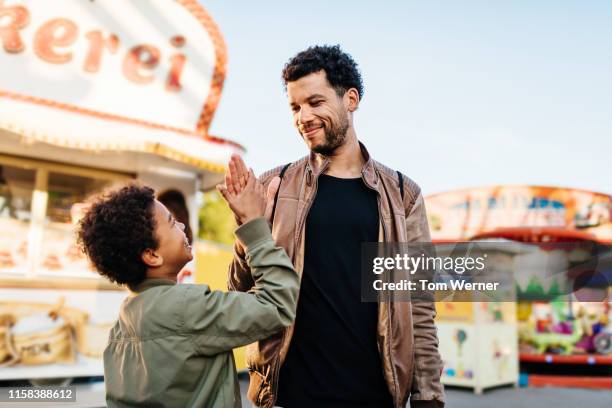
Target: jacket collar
150,283
318,163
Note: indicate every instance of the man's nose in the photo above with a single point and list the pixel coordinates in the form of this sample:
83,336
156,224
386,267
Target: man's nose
181,226
305,116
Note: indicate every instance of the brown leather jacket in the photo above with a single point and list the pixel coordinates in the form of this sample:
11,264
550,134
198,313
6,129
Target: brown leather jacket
407,336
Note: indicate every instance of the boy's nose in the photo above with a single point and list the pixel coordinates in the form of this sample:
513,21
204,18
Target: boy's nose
181,226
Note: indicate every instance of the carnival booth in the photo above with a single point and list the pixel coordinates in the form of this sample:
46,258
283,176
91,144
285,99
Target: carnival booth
561,320
92,94
478,338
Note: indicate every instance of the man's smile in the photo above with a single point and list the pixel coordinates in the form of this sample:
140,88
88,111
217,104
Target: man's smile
310,131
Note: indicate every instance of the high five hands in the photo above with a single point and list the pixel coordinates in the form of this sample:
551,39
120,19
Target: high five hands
244,194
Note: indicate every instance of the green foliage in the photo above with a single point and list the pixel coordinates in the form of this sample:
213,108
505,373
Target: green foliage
216,220
555,290
535,287
535,291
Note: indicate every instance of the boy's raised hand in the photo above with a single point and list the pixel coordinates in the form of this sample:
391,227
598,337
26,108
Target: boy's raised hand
247,201
237,175
236,180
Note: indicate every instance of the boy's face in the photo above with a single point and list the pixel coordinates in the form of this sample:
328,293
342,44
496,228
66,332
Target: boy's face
174,247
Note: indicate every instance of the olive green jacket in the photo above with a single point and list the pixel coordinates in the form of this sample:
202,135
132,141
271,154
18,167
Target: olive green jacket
172,344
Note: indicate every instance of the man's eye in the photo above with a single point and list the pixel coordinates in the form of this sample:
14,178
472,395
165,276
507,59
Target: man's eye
295,108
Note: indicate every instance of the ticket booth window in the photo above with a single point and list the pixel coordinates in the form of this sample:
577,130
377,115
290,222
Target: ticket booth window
16,191
67,195
41,204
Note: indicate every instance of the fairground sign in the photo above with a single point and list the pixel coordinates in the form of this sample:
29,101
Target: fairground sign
158,63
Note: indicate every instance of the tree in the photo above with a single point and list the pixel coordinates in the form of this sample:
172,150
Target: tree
216,220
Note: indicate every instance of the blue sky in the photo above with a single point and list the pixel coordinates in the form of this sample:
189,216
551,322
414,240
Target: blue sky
457,94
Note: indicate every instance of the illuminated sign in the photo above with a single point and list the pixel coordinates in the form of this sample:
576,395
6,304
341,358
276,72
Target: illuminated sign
461,214
155,61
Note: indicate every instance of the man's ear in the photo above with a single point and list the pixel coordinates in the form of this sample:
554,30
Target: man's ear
151,258
352,99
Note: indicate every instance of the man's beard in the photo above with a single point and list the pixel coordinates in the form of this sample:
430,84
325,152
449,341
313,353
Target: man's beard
334,138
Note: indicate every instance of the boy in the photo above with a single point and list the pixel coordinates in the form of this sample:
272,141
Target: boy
172,344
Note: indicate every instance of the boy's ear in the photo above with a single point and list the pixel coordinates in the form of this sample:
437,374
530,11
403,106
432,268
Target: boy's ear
151,258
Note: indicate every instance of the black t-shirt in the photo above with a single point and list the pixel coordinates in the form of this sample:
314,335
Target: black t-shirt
333,359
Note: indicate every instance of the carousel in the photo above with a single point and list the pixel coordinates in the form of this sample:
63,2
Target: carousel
558,329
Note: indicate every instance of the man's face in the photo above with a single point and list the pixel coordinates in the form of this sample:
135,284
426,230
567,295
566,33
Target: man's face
173,245
319,114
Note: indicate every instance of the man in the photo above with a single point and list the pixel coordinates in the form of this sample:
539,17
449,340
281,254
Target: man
340,352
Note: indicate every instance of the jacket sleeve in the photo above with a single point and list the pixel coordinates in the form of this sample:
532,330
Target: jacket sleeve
239,276
427,390
220,321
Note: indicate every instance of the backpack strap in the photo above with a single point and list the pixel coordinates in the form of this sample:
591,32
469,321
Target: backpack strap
400,177
283,170
282,173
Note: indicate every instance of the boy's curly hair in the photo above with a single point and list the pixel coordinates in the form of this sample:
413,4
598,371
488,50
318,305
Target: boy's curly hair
340,68
116,229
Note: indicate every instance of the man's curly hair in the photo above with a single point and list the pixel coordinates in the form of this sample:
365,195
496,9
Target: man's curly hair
340,68
116,229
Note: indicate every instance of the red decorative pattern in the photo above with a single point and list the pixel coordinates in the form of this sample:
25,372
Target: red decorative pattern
590,359
221,62
569,381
